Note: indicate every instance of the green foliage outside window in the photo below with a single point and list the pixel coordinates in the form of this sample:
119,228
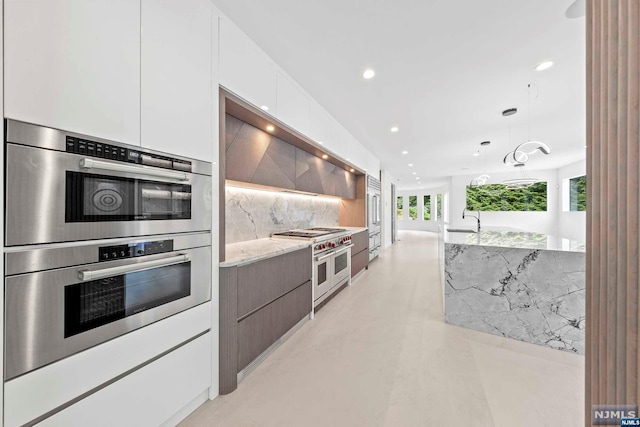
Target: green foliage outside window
578,193
439,207
413,207
427,207
497,197
399,207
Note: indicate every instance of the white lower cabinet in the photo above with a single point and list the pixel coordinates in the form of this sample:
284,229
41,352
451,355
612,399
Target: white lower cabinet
147,397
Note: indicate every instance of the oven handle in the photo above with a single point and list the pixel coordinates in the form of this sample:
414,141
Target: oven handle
343,249
329,255
88,275
87,163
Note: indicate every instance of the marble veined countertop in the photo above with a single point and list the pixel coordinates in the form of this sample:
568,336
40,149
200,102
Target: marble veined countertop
242,253
514,239
354,230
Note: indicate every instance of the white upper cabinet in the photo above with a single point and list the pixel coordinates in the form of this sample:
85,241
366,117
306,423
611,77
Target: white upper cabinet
245,70
373,165
177,73
321,127
292,104
74,65
358,154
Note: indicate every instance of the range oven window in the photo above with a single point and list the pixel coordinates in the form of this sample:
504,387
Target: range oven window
95,198
322,273
89,305
341,262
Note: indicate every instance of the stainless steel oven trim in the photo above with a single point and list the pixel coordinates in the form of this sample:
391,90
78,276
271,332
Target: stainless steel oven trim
88,275
54,139
24,259
35,200
87,163
34,312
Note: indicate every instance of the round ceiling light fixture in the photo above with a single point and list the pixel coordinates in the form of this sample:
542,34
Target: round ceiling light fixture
545,65
368,74
394,129
271,128
405,152
264,108
324,156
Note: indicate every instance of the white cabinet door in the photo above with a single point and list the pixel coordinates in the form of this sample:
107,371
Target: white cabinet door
176,98
373,165
293,104
245,70
74,65
358,154
147,397
321,128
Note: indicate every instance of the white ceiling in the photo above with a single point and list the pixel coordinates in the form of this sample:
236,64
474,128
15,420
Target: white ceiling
445,69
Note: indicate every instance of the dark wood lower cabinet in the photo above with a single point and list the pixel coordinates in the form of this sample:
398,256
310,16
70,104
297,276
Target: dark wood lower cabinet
260,330
259,303
359,252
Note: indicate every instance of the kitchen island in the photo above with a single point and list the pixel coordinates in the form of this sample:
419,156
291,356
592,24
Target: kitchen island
526,286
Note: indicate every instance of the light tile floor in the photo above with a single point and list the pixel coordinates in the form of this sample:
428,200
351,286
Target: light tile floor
380,354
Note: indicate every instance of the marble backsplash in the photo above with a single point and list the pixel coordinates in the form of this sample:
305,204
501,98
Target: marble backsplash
255,214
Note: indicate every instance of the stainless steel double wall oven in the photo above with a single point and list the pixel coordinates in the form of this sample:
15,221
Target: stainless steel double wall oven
101,239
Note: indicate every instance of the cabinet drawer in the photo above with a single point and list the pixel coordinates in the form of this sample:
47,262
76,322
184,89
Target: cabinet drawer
360,242
264,281
359,261
258,331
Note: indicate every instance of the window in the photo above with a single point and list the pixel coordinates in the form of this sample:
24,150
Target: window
399,207
439,207
499,197
426,202
578,193
413,208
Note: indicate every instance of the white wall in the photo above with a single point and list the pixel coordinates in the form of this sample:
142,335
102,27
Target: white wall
572,225
420,224
541,222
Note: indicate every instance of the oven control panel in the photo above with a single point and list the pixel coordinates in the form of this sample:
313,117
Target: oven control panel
122,154
132,250
330,244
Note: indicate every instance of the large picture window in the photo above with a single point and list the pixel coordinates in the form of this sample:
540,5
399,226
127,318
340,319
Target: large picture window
426,202
578,193
413,208
400,207
499,197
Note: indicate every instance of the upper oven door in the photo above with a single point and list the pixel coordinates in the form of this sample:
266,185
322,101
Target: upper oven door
54,196
56,313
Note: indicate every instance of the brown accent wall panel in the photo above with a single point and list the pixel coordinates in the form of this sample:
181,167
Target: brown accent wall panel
313,174
613,203
353,212
345,183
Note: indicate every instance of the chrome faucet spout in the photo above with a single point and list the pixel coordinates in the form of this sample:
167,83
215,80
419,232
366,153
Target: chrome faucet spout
464,215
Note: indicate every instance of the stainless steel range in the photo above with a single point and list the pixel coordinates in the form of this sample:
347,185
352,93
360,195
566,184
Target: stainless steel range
331,258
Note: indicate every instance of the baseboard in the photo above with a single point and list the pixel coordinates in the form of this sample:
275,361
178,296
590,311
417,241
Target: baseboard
187,410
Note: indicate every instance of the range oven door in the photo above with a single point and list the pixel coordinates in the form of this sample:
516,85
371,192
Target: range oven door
56,313
322,275
341,265
54,196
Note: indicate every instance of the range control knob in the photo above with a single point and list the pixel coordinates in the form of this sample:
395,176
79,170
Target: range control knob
333,245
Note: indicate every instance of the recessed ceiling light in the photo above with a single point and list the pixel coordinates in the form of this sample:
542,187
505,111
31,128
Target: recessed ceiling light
352,170
410,164
413,173
405,152
394,129
270,128
544,65
324,156
320,142
264,108
348,160
476,154
368,73
418,178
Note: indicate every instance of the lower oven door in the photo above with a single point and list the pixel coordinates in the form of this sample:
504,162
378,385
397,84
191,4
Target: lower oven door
322,276
341,266
54,314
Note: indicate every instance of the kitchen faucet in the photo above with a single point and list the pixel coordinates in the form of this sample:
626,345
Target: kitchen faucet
472,216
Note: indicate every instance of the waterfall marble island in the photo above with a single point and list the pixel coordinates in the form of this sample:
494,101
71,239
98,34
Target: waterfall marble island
526,286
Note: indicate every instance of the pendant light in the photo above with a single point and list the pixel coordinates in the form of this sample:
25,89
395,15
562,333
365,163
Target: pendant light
483,177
